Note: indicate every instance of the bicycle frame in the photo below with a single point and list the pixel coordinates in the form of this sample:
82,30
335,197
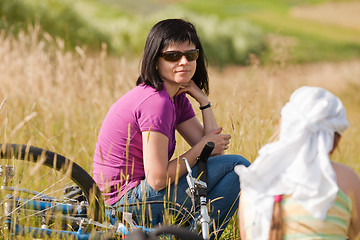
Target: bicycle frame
42,207
74,212
199,188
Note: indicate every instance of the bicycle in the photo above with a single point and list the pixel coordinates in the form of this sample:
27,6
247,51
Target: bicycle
66,202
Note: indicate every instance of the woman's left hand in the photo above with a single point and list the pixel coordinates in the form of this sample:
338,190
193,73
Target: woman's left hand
194,91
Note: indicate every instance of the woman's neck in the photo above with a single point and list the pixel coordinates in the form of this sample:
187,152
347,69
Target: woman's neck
171,89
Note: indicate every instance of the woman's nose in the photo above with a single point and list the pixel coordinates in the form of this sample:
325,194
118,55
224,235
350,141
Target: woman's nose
183,60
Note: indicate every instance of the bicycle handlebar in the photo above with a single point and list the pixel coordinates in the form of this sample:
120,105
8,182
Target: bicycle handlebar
202,159
205,153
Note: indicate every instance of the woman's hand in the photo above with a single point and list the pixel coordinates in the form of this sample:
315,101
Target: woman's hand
221,141
194,91
210,131
158,169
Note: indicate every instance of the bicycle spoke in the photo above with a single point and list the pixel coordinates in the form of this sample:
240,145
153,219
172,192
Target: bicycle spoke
44,193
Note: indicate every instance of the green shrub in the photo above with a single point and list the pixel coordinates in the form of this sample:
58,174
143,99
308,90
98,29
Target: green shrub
58,18
230,41
225,41
14,14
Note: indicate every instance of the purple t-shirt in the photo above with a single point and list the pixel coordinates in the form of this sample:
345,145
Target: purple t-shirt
118,159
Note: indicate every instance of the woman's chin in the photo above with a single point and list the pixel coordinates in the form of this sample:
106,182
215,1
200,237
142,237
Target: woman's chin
182,80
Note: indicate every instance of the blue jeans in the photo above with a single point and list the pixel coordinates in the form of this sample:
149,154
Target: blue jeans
223,188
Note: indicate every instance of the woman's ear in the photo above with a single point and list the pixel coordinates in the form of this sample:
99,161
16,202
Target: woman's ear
337,138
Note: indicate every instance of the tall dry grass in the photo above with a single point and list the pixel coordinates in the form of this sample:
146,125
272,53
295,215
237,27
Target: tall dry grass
57,100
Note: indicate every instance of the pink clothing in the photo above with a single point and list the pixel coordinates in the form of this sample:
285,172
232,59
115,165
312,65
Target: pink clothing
118,159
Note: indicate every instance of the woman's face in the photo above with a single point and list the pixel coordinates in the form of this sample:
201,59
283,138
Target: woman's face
178,72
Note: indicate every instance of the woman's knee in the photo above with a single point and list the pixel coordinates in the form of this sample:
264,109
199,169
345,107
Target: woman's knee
238,160
230,161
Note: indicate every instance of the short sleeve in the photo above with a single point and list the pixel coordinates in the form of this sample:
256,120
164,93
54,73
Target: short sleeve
184,110
157,114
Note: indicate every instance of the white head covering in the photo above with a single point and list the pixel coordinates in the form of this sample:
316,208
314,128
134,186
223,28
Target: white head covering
298,163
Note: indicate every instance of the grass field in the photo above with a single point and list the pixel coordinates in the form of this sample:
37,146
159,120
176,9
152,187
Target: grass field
57,100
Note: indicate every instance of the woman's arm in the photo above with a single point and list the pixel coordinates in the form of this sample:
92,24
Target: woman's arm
192,130
209,122
159,171
241,219
349,182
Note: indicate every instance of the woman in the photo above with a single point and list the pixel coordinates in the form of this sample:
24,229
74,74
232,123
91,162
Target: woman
132,161
292,190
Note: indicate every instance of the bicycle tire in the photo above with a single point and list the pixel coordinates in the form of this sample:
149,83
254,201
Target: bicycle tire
58,162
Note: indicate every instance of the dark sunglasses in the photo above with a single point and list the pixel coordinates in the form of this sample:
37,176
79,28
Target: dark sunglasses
174,56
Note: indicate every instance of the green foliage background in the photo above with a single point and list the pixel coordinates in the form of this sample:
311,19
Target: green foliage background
231,30
57,18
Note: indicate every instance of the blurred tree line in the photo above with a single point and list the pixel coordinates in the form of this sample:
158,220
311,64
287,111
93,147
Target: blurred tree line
231,41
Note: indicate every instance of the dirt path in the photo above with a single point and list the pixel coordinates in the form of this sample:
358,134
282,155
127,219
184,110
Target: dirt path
334,76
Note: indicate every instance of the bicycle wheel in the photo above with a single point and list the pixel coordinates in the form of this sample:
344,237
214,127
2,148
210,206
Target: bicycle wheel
39,186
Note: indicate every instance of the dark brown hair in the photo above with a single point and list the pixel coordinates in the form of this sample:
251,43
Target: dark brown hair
163,34
275,232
